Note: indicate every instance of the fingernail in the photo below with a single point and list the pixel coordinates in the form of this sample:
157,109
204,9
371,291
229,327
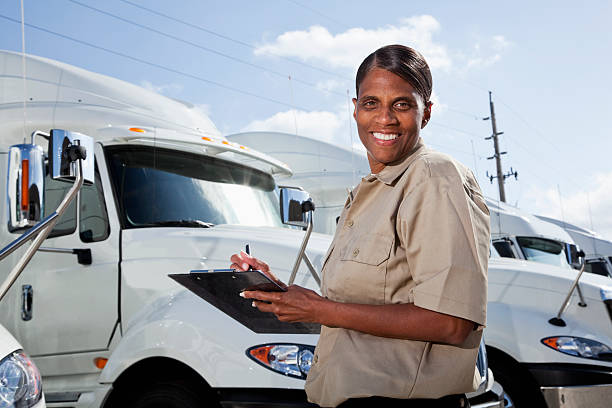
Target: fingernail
245,266
253,304
241,294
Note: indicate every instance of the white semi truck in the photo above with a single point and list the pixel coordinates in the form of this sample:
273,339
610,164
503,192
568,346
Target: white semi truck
598,250
95,307
538,363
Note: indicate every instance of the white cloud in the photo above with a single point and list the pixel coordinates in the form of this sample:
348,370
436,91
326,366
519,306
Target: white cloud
163,88
323,125
331,85
347,49
203,108
487,52
500,43
575,208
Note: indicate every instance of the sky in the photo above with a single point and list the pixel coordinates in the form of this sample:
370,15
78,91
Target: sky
289,65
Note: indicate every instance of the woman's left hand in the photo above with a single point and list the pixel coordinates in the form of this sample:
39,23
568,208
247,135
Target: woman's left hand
297,304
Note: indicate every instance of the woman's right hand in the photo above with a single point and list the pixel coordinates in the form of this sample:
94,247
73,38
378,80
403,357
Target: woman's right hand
242,261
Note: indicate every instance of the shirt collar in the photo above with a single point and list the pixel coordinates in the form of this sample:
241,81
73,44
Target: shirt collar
392,171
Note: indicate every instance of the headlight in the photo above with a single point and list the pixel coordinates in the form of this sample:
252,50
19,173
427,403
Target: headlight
20,384
293,360
579,347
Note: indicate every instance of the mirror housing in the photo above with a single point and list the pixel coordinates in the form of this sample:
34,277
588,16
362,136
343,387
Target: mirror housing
575,256
296,207
25,185
64,148
26,173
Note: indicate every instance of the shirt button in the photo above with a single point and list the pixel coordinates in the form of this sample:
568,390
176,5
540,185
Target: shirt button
349,223
356,252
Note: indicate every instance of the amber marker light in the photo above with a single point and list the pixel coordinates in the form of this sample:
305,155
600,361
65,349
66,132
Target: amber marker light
137,130
261,354
208,139
551,342
25,181
100,362
225,142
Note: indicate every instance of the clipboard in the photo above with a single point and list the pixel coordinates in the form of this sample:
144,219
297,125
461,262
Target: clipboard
221,288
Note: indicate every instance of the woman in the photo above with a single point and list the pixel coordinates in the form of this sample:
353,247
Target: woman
404,280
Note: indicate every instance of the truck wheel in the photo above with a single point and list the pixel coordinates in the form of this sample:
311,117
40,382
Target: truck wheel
175,394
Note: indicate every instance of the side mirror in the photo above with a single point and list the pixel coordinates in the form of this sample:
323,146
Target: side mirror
64,148
26,173
25,185
575,256
295,207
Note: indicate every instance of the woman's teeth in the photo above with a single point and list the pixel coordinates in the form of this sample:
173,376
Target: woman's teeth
385,136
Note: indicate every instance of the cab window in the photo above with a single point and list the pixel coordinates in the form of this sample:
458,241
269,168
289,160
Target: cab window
93,217
55,191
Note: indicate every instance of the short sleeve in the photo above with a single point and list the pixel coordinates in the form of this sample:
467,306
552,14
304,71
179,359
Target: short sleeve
444,228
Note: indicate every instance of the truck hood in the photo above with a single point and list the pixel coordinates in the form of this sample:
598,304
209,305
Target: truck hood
536,275
150,254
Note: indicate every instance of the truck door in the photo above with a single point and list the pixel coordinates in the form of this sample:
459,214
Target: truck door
64,304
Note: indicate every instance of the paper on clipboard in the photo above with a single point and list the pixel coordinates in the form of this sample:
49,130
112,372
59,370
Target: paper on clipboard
221,288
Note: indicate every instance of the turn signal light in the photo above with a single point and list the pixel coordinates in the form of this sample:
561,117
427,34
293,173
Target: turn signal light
25,181
100,362
138,130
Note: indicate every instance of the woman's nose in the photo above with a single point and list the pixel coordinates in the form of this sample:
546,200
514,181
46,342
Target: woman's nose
386,116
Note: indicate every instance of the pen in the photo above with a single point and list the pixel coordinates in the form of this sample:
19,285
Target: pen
248,252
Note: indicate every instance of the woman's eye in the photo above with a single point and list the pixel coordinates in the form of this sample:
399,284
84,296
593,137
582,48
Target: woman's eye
402,105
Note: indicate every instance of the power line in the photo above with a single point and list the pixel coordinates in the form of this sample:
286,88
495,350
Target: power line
225,37
153,64
201,47
319,13
545,138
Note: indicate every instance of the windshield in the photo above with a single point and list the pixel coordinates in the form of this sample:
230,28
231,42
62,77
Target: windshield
543,250
165,188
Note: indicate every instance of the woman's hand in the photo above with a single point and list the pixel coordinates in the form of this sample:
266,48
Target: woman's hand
243,261
297,304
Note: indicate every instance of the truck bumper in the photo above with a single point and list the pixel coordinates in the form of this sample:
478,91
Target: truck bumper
574,385
287,398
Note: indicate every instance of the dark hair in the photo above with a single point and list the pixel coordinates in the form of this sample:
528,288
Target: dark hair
402,61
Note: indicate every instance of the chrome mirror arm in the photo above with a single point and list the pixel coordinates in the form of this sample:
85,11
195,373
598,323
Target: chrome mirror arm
38,233
302,255
557,320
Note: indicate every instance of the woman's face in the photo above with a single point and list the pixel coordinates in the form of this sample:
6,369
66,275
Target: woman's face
389,114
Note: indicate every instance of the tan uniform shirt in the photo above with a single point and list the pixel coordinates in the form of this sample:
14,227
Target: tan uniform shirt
417,232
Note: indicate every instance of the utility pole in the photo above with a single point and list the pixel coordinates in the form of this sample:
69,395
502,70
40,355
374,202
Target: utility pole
501,177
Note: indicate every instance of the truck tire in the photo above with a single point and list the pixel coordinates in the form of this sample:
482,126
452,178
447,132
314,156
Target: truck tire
520,388
518,393
173,394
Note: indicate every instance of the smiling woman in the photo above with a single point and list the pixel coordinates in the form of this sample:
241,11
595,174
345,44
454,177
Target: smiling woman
404,282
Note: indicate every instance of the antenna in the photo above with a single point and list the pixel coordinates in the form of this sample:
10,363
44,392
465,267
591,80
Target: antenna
23,72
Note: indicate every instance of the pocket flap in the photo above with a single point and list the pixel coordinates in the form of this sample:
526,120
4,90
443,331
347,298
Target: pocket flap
370,249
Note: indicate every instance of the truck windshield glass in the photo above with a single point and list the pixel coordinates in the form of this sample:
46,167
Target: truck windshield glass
543,250
168,188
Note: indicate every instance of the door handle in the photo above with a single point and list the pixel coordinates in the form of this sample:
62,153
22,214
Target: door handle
83,255
27,297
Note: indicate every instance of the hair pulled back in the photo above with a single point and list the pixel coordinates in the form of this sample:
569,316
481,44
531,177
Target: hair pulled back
402,61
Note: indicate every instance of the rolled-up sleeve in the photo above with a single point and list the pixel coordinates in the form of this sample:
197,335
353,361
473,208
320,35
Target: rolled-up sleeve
443,224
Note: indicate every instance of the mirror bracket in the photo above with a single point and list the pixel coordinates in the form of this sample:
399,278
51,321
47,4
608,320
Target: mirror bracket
557,320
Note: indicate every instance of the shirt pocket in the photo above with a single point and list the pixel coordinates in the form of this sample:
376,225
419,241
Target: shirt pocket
360,275
369,249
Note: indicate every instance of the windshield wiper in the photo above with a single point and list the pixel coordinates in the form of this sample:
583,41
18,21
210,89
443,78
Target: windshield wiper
178,223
